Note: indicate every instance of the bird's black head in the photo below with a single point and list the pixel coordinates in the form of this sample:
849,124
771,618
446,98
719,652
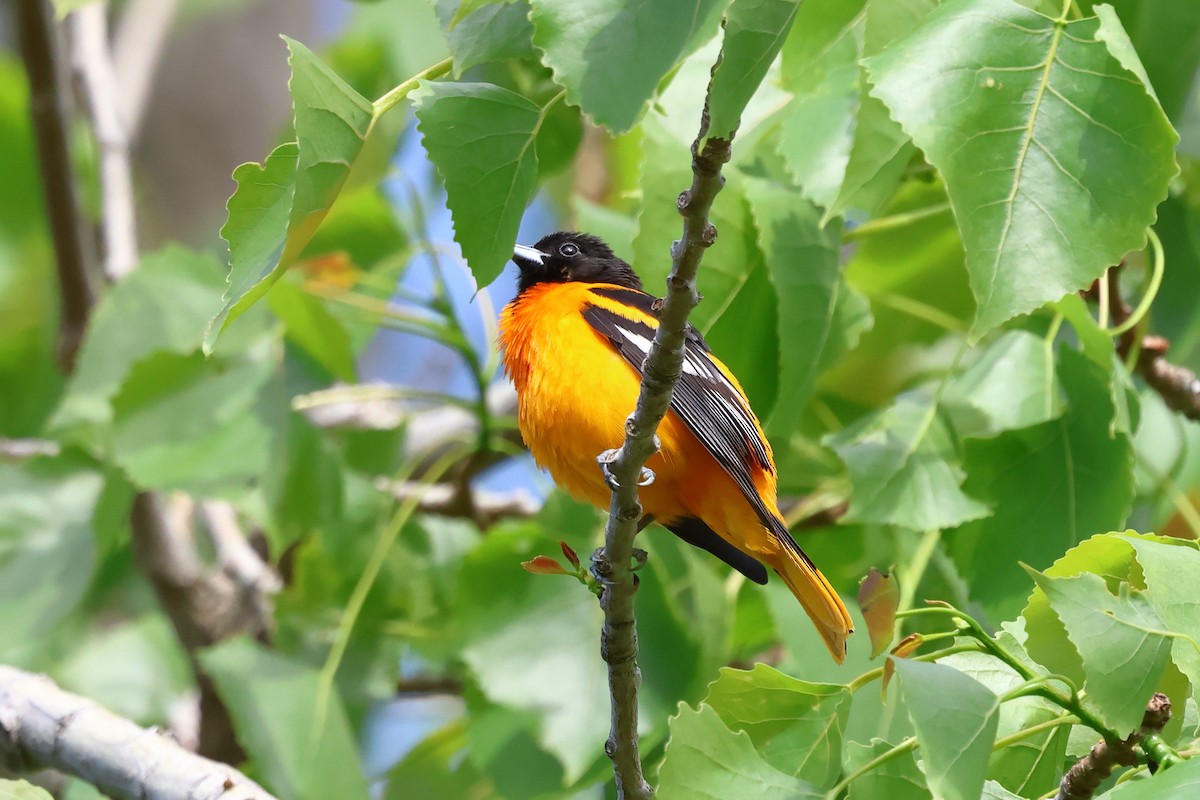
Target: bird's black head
570,256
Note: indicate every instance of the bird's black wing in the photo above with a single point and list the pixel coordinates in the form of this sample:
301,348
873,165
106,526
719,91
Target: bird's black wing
708,403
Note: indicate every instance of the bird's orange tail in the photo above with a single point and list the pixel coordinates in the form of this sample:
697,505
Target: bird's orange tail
819,599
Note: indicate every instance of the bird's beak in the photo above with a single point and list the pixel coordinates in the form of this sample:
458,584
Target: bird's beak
525,256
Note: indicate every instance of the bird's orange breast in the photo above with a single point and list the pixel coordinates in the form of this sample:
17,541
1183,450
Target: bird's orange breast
575,393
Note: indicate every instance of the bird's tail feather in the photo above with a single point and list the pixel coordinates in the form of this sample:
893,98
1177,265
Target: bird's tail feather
819,599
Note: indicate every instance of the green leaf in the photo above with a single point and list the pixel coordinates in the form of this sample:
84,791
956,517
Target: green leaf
825,316
208,427
481,137
270,698
611,55
955,718
1165,568
881,150
1056,483
898,778
706,759
22,790
278,205
1119,641
795,726
1168,45
313,329
1013,385
754,32
507,615
47,549
478,33
1181,780
1018,111
902,468
820,68
1034,762
993,790
172,295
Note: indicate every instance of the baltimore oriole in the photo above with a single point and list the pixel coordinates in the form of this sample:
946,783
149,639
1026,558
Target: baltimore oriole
574,340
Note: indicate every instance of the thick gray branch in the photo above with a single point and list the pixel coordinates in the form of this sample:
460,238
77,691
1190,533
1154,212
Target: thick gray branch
660,372
43,726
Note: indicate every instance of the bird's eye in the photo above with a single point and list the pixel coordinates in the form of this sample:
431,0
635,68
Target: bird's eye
569,250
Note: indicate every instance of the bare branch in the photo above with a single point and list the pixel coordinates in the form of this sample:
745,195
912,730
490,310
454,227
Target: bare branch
484,508
625,467
73,247
205,605
43,726
137,47
21,449
93,64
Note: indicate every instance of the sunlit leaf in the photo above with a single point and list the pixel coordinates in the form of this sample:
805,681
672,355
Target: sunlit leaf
481,137
706,759
820,68
278,205
612,54
1119,638
796,727
755,30
1017,110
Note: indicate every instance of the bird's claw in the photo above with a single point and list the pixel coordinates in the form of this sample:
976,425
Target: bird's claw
606,459
639,559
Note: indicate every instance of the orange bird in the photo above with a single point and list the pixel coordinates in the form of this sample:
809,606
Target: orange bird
574,340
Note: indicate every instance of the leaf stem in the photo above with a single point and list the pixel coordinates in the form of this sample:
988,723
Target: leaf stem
890,223
358,597
397,94
1158,264
1021,735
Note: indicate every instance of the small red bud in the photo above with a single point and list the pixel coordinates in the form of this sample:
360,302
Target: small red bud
571,555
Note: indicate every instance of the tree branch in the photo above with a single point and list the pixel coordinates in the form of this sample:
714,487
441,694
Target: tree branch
74,250
484,508
1178,386
1082,779
94,65
624,468
137,47
43,726
205,604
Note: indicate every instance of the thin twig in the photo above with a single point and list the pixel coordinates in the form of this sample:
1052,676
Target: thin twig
74,250
93,63
613,563
43,726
